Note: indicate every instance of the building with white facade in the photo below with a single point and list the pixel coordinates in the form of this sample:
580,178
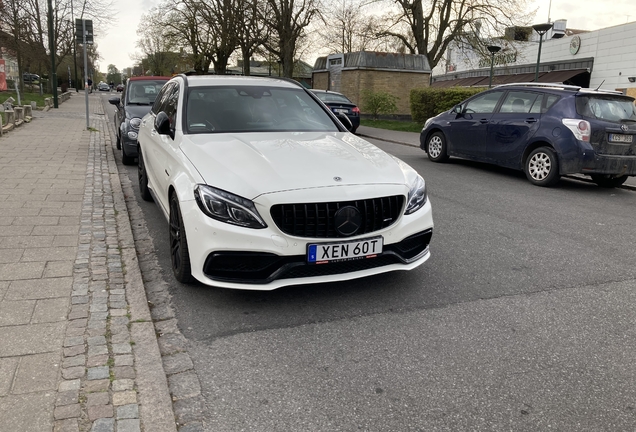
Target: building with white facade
605,58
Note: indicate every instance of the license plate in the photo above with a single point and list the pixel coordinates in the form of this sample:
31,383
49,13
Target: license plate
341,110
621,138
322,253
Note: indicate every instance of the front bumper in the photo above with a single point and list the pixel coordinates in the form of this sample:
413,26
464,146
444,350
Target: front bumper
228,256
129,145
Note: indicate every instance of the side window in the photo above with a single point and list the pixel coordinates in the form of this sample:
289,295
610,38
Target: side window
550,100
160,100
536,106
483,104
171,103
519,102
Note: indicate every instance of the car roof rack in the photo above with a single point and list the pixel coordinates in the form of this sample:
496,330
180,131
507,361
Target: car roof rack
545,85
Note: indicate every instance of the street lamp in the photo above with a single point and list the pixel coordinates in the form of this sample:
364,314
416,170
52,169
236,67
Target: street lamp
494,49
541,29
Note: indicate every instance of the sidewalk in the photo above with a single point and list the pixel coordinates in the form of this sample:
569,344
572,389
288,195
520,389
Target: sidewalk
413,139
78,350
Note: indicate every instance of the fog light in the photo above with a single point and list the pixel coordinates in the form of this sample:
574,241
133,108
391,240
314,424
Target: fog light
132,135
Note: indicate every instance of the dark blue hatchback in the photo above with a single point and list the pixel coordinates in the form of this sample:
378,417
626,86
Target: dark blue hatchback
546,130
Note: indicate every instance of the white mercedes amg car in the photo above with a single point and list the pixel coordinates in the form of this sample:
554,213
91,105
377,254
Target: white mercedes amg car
263,187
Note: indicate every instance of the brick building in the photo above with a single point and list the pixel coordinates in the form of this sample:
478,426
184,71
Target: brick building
351,73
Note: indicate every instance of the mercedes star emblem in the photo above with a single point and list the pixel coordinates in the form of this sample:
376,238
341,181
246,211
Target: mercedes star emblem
336,178
348,220
624,128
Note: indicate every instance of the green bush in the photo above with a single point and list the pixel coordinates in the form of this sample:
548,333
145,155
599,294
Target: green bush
376,103
428,102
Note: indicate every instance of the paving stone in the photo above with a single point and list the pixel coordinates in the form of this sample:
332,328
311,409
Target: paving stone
119,320
128,425
79,360
118,305
192,427
8,366
16,312
184,385
67,425
100,411
122,348
73,351
177,363
67,411
98,308
118,312
130,411
50,310
96,340
97,350
102,398
99,360
31,339
73,341
125,398
104,425
171,343
79,299
162,312
96,386
124,360
38,288
119,385
73,372
74,331
67,398
37,373
122,372
97,373
168,326
120,338
69,385
189,409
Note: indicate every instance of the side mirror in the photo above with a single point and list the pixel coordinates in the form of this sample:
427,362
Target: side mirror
345,121
457,109
114,100
162,124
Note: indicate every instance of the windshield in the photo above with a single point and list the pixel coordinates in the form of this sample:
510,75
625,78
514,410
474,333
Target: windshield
144,92
221,109
614,109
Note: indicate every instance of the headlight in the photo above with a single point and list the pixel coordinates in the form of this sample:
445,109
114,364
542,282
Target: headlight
226,207
135,122
417,196
428,122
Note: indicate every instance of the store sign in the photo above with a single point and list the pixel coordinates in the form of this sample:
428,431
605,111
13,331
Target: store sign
575,45
500,59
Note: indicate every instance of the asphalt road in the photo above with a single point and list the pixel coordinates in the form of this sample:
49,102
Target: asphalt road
523,319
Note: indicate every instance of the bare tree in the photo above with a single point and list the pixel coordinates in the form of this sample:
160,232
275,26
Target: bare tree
155,47
222,20
429,26
251,31
346,28
288,21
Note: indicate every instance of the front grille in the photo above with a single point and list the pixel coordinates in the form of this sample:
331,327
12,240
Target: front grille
261,268
316,220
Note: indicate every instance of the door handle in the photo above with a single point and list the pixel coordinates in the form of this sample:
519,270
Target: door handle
153,132
531,120
483,121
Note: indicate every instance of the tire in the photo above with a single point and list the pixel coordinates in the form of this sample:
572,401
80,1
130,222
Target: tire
179,254
118,142
436,148
142,175
542,167
608,181
125,159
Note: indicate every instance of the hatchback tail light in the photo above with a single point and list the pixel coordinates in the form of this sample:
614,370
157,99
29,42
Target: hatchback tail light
355,111
580,128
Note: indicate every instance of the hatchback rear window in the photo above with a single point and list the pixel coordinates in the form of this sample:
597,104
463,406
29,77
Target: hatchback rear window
614,109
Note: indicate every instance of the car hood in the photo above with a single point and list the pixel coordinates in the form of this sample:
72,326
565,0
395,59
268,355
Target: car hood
251,164
133,111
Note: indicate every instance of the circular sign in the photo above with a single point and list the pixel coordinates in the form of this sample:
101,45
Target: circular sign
575,45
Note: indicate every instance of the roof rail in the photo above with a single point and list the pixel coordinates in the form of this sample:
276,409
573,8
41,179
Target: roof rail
547,85
600,90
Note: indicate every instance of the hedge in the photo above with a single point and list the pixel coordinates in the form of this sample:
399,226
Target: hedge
428,102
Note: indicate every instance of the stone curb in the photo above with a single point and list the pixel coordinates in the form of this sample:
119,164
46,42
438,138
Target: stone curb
183,383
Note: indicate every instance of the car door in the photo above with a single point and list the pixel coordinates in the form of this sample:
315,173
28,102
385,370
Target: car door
512,126
151,146
467,132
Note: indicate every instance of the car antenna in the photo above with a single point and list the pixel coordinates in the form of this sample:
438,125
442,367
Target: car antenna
599,86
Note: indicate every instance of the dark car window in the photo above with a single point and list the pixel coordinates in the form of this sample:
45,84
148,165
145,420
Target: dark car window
144,92
332,97
521,102
607,108
254,109
484,103
171,103
161,98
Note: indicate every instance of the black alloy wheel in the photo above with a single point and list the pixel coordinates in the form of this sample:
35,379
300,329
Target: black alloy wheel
608,181
436,147
542,167
142,176
179,254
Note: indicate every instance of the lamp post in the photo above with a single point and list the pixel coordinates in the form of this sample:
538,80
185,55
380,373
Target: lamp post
494,49
541,29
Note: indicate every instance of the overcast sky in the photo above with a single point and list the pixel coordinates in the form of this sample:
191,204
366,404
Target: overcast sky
118,44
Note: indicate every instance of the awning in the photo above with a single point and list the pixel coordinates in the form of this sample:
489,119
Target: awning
560,76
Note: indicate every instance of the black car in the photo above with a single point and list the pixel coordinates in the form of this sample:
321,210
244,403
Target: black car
135,102
340,104
119,88
546,130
